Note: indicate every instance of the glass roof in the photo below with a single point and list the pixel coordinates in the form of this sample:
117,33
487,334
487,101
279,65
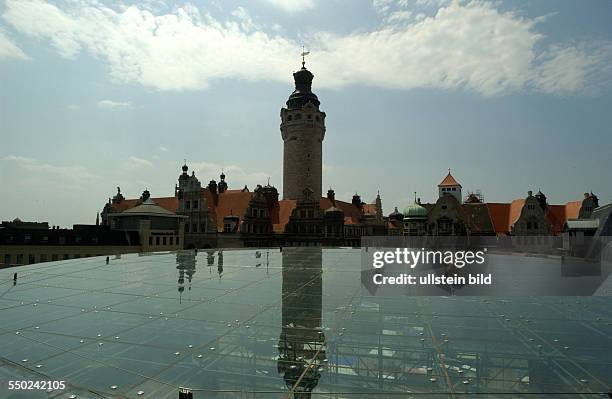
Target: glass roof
297,323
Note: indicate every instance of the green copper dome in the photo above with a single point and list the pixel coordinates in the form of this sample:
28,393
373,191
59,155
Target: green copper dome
415,211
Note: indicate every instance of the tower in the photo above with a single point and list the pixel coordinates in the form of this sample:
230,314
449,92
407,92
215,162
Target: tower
302,129
450,186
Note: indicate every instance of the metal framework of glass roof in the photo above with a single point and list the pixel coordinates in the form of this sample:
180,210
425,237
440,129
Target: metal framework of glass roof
262,323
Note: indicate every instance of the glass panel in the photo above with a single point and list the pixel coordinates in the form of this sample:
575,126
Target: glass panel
269,323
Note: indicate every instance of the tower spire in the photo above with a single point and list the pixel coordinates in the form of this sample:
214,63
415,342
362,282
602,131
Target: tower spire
304,54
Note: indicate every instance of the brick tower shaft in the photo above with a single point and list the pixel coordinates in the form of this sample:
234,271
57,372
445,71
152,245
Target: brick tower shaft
303,130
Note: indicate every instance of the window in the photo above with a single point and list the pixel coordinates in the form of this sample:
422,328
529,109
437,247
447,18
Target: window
54,257
150,240
19,259
227,228
203,228
164,241
27,238
66,257
177,241
195,204
298,116
171,240
43,257
194,228
187,227
7,259
290,117
187,204
156,240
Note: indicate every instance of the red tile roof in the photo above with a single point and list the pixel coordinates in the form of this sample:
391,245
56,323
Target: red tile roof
505,215
231,202
449,180
500,216
281,214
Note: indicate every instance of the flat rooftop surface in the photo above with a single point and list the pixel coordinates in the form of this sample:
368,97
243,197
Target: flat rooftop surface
262,323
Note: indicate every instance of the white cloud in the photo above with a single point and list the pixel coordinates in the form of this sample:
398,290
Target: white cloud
292,6
135,162
471,45
114,105
18,159
399,16
246,22
70,175
72,107
567,69
8,49
163,149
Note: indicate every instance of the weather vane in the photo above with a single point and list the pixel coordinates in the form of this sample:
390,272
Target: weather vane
304,54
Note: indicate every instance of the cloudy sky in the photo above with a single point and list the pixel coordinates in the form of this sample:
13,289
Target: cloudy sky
512,96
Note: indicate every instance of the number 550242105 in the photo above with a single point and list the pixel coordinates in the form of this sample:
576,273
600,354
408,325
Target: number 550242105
28,385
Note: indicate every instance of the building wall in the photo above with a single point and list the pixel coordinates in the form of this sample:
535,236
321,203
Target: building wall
532,220
29,254
302,131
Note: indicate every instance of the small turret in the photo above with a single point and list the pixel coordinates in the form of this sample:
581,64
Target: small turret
379,210
222,186
541,199
331,195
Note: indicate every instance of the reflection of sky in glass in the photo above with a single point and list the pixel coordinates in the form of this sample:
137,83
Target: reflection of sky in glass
275,323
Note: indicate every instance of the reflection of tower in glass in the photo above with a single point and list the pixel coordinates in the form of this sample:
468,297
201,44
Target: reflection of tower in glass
186,265
302,342
220,263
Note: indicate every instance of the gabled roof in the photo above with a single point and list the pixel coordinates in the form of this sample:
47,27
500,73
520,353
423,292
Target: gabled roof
504,215
449,180
234,202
